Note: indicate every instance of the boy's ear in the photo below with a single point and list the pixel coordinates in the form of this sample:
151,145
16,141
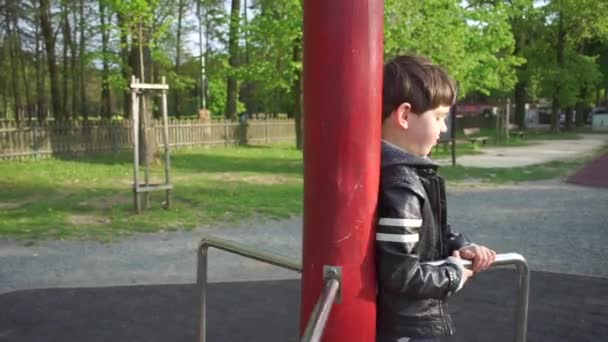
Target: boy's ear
402,114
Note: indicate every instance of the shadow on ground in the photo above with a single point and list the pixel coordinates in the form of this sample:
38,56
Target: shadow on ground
562,308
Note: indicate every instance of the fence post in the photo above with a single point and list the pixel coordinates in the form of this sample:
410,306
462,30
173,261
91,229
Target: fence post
225,132
266,129
35,139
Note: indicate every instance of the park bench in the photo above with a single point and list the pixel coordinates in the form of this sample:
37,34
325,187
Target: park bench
445,143
471,135
514,131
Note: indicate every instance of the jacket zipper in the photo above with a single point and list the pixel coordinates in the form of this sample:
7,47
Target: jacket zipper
439,212
446,323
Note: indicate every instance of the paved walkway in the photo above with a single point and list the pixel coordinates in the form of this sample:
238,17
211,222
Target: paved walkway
540,152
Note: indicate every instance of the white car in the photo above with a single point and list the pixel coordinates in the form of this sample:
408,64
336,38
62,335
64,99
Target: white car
596,110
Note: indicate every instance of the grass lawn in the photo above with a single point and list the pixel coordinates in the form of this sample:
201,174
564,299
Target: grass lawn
90,198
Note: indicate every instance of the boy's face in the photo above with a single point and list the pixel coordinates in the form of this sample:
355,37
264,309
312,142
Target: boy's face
422,130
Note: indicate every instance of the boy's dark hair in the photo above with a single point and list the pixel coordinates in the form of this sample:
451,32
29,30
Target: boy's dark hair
416,80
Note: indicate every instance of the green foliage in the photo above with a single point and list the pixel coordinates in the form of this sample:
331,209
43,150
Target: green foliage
475,43
582,24
487,45
270,68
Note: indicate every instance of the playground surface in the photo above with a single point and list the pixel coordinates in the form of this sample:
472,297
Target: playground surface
562,308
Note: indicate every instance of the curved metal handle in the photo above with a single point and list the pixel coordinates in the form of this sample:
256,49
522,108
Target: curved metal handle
517,260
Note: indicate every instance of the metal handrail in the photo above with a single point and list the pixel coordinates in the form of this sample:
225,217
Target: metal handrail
517,260
320,314
235,248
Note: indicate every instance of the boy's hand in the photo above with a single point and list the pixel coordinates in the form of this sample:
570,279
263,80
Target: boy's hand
481,256
466,273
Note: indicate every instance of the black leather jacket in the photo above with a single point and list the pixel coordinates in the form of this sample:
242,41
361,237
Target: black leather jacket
412,231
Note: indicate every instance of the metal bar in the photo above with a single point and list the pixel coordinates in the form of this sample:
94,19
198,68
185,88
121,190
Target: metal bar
146,134
521,311
135,121
151,188
136,85
320,313
236,248
201,279
166,142
251,253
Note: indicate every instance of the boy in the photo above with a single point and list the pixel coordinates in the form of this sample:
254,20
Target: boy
417,252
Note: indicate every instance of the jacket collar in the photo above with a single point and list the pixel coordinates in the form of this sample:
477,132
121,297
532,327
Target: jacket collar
393,155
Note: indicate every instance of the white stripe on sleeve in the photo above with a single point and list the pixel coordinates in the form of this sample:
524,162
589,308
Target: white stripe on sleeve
400,222
397,237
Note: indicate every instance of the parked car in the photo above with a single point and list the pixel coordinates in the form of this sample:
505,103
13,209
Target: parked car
596,110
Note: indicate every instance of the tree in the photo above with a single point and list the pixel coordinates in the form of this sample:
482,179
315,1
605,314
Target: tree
68,69
49,41
570,25
233,60
84,110
178,53
474,43
274,65
135,18
522,18
106,101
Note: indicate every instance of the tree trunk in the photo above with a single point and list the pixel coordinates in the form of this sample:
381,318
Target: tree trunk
78,61
556,106
14,76
297,95
106,101
520,104
84,110
49,42
177,109
26,84
581,107
41,111
568,114
11,41
519,92
75,65
126,63
67,42
233,48
4,108
4,85
141,59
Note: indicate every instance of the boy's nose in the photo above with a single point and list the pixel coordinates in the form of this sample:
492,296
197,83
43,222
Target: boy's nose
444,127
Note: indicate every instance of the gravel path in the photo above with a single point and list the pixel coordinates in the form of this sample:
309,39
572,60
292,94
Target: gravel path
558,227
541,151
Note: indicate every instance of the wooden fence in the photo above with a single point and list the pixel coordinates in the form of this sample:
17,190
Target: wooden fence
25,139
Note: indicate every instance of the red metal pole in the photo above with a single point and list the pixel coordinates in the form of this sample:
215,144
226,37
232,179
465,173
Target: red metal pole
343,58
